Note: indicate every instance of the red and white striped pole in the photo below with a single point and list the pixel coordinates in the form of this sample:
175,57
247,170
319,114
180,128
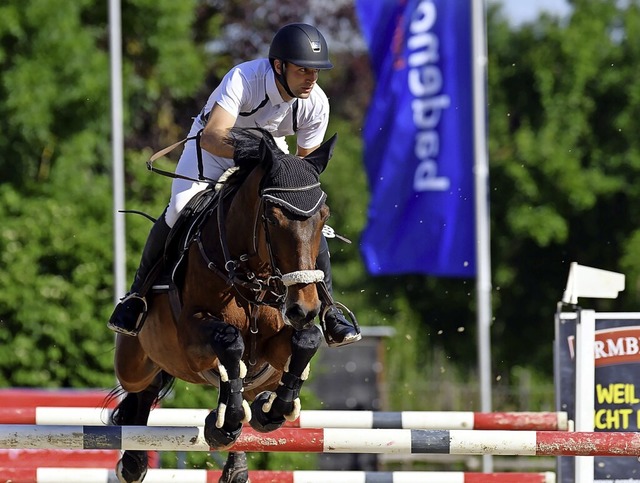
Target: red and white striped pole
329,440
98,475
515,421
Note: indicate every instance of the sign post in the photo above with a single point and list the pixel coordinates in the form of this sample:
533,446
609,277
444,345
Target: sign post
578,345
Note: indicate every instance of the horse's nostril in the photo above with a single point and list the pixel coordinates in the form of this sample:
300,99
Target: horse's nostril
300,316
295,313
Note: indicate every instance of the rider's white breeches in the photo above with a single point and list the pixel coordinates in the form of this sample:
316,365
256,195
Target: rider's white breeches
183,190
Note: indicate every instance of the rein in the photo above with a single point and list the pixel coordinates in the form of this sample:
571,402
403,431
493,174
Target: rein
271,290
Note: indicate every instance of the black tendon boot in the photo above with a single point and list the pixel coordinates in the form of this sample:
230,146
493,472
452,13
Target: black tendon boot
129,314
338,329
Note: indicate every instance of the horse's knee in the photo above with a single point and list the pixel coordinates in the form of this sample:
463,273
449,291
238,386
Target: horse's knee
311,337
228,339
305,343
223,425
229,347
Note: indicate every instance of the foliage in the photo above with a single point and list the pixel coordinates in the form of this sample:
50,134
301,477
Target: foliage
564,164
55,270
564,160
55,200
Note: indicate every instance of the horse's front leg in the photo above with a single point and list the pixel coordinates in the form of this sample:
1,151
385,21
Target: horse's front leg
271,409
224,424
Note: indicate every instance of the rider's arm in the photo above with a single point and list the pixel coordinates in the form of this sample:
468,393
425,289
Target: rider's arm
302,152
216,131
313,124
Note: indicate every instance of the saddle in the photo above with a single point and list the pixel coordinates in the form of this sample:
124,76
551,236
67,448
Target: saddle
168,275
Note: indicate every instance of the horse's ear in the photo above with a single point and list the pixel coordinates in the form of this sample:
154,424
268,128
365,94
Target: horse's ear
321,156
266,154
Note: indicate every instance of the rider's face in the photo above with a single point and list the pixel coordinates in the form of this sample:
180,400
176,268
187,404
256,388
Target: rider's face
301,80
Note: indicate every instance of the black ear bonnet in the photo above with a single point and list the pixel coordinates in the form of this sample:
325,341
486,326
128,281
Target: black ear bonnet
294,184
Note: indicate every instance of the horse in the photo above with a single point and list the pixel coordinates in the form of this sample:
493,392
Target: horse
243,320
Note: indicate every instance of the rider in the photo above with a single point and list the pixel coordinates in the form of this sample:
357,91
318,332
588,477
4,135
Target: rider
278,94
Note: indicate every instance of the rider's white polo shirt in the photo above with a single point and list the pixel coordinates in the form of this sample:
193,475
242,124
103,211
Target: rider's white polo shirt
252,84
249,92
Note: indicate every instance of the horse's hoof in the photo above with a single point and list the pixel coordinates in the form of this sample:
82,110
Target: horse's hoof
219,439
235,469
260,420
132,467
236,476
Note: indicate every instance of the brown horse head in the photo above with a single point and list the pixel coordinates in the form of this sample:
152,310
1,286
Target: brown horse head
276,217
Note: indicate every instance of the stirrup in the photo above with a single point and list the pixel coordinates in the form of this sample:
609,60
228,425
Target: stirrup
127,304
331,342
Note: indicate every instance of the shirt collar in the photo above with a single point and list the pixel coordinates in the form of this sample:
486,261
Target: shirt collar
273,92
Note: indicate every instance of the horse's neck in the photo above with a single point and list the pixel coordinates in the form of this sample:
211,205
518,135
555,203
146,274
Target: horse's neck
242,222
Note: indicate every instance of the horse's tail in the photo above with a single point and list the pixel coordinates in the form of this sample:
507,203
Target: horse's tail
151,396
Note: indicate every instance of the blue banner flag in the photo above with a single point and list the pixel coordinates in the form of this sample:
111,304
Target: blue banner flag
418,138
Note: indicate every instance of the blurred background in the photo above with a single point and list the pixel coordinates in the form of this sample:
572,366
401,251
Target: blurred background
564,161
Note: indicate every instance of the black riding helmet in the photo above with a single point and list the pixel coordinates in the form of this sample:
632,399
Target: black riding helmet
300,44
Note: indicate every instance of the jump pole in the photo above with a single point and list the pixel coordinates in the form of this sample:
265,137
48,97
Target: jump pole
329,440
99,475
515,421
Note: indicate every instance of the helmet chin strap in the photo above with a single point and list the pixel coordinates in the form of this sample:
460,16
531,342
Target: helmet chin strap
283,79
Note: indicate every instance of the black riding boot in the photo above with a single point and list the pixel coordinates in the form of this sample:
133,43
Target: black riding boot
129,314
338,329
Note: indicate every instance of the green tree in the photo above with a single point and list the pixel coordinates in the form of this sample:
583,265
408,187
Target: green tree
56,287
564,160
564,164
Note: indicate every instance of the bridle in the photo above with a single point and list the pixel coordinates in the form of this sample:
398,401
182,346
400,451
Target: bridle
270,290
254,289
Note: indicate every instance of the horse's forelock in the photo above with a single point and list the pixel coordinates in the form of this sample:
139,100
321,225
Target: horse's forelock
246,143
